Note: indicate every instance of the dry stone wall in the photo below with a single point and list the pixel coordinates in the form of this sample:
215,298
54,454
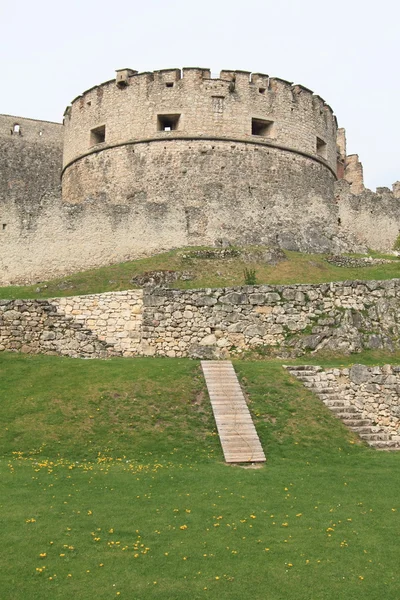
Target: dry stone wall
343,316
366,399
94,326
375,391
35,327
115,317
287,321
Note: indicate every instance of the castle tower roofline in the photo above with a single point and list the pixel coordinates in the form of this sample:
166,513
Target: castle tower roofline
189,103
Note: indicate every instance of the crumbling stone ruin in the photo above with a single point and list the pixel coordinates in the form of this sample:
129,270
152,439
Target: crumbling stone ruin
147,162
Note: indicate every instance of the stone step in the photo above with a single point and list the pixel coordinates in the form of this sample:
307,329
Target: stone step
362,430
384,445
346,417
344,410
356,422
304,374
333,397
336,403
302,368
376,436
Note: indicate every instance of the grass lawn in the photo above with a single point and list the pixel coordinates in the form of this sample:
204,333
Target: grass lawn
298,268
112,485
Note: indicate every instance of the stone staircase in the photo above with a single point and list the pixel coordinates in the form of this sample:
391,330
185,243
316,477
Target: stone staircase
332,396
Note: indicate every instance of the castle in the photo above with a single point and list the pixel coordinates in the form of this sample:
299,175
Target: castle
147,162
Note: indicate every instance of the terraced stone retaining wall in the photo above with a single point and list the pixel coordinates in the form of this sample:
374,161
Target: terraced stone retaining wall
99,325
292,319
366,399
375,391
289,320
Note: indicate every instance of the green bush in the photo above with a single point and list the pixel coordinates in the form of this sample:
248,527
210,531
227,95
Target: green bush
396,245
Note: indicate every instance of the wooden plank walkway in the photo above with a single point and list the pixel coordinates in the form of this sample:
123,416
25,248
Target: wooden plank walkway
238,436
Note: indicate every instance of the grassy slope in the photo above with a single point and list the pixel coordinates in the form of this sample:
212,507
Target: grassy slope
319,521
299,268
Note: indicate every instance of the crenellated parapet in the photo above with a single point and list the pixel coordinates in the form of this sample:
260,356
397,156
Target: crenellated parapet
178,104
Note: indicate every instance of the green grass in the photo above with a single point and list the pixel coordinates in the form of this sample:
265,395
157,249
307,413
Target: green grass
111,470
298,268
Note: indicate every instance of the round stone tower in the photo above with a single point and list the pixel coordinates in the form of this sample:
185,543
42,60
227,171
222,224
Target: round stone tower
179,158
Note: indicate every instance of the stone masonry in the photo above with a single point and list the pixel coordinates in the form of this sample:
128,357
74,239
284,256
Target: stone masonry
366,399
153,161
91,326
289,320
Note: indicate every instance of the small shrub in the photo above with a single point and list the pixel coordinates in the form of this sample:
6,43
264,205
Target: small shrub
396,245
250,276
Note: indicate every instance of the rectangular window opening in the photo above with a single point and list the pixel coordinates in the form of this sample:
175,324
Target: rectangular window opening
167,122
4,226
16,129
98,135
262,127
322,149
169,84
261,90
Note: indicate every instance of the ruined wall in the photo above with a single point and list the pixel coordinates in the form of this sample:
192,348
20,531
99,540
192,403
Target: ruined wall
372,218
30,176
286,320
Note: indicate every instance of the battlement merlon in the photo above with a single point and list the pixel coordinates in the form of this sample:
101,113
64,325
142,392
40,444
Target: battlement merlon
199,74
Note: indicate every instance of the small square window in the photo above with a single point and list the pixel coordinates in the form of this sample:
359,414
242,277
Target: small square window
169,84
322,149
167,122
98,135
16,129
262,90
262,127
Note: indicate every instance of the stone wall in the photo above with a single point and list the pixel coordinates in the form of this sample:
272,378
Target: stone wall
222,107
114,317
91,326
211,180
30,178
374,391
293,319
180,193
289,320
372,218
366,399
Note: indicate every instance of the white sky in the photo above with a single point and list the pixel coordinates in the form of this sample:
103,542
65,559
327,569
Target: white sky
347,51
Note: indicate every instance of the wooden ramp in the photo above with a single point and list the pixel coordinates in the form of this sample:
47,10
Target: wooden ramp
239,439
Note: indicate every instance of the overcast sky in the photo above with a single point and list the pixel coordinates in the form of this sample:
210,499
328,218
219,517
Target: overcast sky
347,51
